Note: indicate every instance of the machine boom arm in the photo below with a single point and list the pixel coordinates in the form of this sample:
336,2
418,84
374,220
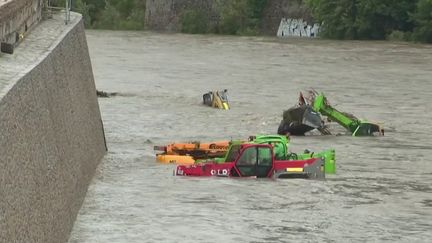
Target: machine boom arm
355,126
320,105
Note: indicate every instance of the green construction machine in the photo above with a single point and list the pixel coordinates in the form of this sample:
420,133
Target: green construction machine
355,126
280,144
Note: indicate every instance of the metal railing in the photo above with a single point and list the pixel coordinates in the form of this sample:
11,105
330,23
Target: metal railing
66,9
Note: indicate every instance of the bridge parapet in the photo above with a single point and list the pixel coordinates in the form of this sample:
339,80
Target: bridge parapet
17,17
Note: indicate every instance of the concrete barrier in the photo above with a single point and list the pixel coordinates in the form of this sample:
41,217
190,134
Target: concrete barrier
51,133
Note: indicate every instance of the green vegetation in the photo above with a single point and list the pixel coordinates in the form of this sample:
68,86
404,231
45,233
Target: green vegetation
109,14
374,19
241,17
423,21
194,22
401,20
237,17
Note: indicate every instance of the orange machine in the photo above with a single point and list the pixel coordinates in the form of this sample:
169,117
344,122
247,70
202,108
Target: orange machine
188,153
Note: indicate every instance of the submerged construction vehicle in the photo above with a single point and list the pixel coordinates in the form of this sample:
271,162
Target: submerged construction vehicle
306,116
354,125
256,161
280,150
217,99
222,152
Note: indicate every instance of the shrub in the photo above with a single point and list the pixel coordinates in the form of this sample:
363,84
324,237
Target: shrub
396,36
241,17
194,22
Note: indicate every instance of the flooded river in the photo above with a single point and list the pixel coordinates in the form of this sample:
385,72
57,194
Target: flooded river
382,189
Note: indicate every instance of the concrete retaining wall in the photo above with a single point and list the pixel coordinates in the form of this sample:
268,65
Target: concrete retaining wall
51,137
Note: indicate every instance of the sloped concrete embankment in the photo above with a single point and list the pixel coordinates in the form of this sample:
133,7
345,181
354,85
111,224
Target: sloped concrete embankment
51,140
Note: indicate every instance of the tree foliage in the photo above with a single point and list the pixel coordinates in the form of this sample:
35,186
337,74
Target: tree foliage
423,20
194,22
237,17
373,19
109,14
241,16
341,19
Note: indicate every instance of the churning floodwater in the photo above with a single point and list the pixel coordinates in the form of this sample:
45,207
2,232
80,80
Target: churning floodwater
382,189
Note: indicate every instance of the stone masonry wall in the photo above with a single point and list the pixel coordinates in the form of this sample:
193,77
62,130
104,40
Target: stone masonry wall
278,9
51,139
165,14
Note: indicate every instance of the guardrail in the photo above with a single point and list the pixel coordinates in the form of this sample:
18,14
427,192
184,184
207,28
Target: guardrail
67,9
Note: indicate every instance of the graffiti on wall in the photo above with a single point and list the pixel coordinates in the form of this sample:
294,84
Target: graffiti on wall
297,27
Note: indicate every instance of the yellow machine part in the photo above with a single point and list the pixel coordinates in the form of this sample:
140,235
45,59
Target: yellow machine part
175,159
294,169
218,103
225,106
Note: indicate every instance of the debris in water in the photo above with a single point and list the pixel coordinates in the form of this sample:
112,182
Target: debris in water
104,94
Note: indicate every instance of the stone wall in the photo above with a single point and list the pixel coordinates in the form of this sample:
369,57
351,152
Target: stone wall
17,17
278,9
165,14
298,28
51,134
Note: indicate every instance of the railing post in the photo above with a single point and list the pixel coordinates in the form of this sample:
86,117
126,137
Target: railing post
46,11
67,11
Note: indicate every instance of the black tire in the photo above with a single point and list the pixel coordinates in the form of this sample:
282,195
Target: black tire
207,99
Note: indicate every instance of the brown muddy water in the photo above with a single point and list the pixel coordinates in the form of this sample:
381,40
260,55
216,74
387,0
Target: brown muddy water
382,189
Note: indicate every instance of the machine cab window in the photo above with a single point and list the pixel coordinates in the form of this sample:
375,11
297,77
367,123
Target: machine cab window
233,153
255,161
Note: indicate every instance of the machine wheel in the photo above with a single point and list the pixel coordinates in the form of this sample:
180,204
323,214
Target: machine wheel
207,99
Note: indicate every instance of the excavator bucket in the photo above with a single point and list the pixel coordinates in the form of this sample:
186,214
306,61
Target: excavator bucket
299,119
217,99
368,129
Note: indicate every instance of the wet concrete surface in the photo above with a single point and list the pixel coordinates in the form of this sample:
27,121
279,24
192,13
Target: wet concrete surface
382,189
